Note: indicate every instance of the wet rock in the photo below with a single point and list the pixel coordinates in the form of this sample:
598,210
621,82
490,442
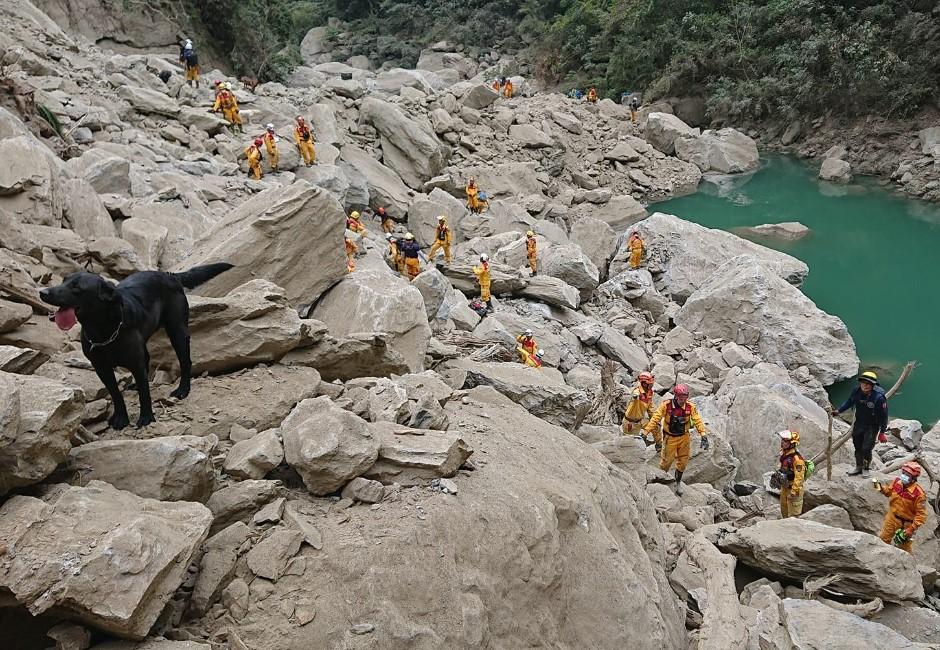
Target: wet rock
726,151
662,131
835,171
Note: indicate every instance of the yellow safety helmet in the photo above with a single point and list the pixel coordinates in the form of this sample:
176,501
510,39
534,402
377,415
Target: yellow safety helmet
409,236
530,234
354,215
868,376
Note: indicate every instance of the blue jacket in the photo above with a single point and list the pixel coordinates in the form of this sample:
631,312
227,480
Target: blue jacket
870,410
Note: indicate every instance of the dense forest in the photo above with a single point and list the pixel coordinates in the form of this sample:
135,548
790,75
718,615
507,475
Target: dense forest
748,58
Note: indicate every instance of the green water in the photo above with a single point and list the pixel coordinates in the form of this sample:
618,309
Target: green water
872,257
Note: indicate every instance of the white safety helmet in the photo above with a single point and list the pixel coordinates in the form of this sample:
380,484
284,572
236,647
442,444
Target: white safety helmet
188,45
528,332
442,218
269,127
540,353
484,257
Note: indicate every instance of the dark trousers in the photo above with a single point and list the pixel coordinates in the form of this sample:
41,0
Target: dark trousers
863,437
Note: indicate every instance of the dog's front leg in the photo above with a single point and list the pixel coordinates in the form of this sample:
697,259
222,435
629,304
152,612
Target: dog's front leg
143,392
119,420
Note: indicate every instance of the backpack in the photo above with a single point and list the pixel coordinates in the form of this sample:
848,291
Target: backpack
810,468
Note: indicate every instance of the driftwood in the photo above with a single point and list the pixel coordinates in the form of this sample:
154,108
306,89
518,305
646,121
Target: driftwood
813,586
908,368
604,409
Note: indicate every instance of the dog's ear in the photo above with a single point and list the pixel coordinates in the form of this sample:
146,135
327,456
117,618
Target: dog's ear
106,292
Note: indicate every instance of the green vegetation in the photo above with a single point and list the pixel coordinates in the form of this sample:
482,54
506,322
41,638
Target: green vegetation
749,58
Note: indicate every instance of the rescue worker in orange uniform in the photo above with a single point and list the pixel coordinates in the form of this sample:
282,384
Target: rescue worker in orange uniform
253,153
388,224
354,223
637,248
534,360
410,249
394,255
270,144
303,136
675,418
473,200
496,85
634,109
592,95
483,278
791,474
531,252
351,250
640,407
526,346
907,507
190,62
507,89
225,101
443,238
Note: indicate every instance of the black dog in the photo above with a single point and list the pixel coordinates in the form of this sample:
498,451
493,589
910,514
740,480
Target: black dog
117,321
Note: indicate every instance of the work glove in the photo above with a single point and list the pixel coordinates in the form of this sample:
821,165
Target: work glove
659,446
900,537
882,437
629,427
776,481
704,443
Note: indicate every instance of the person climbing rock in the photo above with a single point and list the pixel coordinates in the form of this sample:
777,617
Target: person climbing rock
388,224
534,360
394,255
483,278
790,474
526,346
411,251
190,62
531,252
675,417
354,223
640,408
303,136
351,250
907,507
592,96
225,101
637,248
507,89
871,419
253,153
473,196
443,238
270,144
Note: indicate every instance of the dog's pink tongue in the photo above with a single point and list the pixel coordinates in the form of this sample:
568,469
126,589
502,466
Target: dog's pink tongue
65,318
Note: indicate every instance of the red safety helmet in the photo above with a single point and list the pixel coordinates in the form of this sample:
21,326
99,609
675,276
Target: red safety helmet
646,377
911,468
258,142
681,390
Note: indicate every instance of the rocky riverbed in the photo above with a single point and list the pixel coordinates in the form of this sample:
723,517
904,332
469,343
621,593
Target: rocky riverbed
361,463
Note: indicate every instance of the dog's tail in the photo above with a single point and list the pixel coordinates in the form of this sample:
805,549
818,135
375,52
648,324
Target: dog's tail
200,274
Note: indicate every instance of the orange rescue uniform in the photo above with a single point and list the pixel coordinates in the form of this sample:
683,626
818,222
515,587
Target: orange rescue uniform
907,509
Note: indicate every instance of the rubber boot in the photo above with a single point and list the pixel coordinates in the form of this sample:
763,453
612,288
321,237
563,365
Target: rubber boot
489,305
856,471
678,483
865,466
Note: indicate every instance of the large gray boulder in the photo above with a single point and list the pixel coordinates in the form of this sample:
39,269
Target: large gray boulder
37,419
726,151
542,391
409,147
682,255
597,239
145,100
749,304
569,264
253,323
552,291
379,301
423,214
500,181
384,186
171,468
31,188
272,236
326,445
126,555
415,456
835,170
797,549
529,136
815,626
663,129
479,97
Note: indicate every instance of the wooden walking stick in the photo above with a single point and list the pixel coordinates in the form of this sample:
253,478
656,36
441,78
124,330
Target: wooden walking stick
829,452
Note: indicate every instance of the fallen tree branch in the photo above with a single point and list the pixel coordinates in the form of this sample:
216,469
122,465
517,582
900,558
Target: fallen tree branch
24,297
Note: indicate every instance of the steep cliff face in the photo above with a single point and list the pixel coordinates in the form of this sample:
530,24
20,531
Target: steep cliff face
120,25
